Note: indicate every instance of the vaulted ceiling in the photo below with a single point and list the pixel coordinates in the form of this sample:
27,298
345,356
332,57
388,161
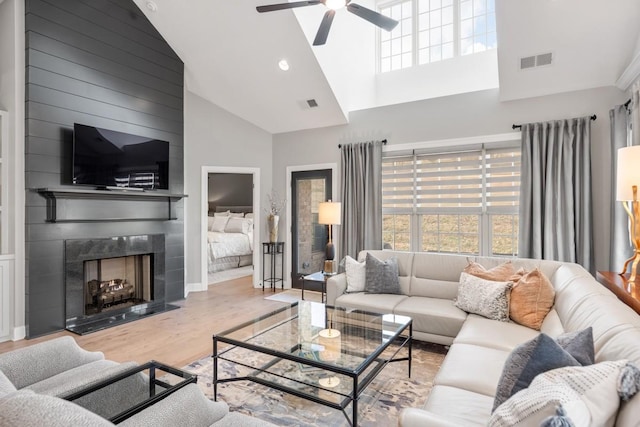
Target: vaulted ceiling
231,55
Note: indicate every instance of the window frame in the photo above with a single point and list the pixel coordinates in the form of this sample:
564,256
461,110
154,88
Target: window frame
415,35
485,215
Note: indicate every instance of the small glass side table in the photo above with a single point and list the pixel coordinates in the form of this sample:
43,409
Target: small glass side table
319,277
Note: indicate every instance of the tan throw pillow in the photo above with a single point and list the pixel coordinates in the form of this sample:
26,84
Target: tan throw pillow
499,273
532,297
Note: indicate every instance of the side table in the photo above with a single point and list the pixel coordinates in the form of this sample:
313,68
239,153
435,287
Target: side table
273,249
627,292
319,277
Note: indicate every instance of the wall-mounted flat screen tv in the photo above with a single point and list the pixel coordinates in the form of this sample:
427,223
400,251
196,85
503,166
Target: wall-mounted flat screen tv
106,158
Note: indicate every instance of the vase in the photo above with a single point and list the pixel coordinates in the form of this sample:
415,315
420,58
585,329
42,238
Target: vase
272,221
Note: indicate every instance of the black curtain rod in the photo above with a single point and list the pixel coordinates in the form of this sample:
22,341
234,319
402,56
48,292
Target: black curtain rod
626,104
384,142
519,126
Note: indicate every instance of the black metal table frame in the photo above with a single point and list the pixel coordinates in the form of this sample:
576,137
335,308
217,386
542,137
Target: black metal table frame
358,388
152,365
273,249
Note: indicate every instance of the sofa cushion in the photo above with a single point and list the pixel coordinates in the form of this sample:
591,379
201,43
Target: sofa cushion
436,275
552,325
473,368
379,303
484,297
579,344
185,407
531,298
499,273
356,273
405,265
381,276
463,407
6,386
432,315
25,408
588,396
526,361
29,365
481,331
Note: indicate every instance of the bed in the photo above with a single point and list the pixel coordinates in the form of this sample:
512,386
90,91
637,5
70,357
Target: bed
230,238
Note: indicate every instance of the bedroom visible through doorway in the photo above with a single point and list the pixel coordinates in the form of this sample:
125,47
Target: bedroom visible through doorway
230,226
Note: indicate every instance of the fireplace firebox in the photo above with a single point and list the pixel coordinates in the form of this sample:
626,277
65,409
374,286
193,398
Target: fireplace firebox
113,280
114,283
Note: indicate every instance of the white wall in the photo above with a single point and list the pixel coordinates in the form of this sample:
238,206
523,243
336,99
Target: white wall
215,137
458,116
12,100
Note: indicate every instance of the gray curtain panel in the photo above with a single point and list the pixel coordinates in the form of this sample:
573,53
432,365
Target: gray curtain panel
556,218
621,246
361,195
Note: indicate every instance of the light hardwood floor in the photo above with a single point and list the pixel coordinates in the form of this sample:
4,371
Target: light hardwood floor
177,337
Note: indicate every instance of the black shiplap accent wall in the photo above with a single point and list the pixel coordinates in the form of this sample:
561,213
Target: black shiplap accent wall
100,63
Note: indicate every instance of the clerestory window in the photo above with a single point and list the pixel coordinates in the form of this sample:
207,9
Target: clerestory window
435,30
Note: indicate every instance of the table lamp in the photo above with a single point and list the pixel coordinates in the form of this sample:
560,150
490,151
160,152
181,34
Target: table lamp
628,179
329,214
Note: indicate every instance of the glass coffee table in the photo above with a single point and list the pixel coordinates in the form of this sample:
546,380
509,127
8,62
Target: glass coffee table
324,354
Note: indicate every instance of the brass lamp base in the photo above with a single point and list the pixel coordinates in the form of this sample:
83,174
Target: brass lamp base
634,234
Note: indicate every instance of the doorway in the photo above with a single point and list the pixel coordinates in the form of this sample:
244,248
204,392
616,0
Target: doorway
212,201
308,189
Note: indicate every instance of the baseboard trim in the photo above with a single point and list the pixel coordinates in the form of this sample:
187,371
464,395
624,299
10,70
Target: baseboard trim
193,287
18,333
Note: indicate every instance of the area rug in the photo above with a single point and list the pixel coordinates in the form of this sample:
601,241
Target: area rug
295,295
379,405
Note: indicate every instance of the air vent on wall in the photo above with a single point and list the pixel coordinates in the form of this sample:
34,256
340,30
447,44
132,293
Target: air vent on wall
536,61
312,103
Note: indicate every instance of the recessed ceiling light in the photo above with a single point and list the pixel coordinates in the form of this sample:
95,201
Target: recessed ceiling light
152,6
283,64
335,4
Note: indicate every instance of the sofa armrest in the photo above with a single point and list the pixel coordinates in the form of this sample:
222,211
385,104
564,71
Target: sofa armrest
414,417
29,365
336,286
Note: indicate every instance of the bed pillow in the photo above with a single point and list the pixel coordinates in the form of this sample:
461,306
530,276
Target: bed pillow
225,213
526,361
356,273
381,277
499,273
532,297
210,220
219,223
234,225
484,297
236,214
578,396
247,225
249,215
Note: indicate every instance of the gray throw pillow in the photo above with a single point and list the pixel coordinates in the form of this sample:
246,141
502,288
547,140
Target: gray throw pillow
526,361
382,276
579,344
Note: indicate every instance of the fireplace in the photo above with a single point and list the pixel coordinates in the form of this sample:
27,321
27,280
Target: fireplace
114,283
113,280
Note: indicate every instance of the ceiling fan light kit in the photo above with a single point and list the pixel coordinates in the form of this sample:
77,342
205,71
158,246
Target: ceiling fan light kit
374,17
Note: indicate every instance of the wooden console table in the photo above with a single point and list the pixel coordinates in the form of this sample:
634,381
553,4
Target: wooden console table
627,292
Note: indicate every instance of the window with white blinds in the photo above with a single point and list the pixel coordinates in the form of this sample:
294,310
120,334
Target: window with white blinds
463,200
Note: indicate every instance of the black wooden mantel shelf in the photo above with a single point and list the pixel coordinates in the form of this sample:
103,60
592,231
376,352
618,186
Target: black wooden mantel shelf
62,205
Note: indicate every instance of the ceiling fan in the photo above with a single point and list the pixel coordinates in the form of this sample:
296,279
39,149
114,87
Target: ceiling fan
375,18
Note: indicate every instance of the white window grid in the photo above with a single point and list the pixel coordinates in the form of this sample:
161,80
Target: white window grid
401,196
435,30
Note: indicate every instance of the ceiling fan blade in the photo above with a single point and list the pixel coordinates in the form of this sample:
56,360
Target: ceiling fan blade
325,25
376,18
281,6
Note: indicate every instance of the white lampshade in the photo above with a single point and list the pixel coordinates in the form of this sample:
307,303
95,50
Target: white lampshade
628,173
329,213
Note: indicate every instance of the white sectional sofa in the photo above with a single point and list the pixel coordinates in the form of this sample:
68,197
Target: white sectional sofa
464,389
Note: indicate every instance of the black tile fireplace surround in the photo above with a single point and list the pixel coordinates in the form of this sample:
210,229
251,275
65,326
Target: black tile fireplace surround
78,251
